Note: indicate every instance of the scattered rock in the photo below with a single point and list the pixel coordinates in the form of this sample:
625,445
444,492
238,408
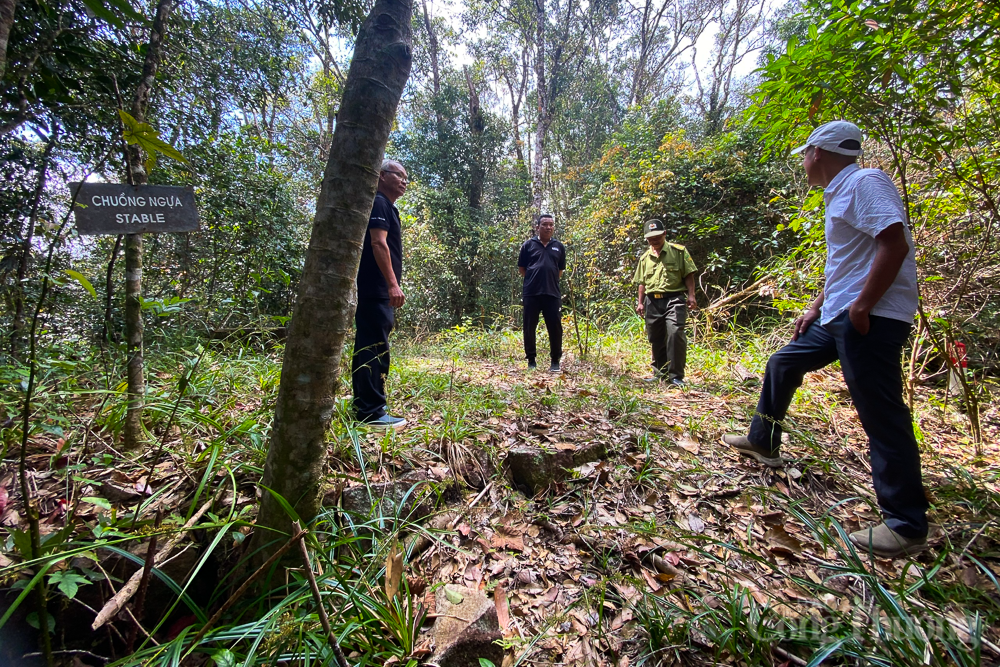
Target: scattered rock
534,468
465,629
412,497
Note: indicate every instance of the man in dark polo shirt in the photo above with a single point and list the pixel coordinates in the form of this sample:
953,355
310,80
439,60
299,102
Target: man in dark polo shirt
665,276
541,264
379,295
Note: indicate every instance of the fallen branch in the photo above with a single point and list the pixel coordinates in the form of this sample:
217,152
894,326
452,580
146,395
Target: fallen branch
115,604
140,598
782,653
337,651
476,499
735,297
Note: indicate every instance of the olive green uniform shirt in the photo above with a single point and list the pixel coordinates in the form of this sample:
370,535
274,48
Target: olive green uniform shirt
666,272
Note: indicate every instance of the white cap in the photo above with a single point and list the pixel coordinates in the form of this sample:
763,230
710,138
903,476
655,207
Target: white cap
831,135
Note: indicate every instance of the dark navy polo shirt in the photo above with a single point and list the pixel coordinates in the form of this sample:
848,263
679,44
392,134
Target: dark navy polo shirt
371,282
542,265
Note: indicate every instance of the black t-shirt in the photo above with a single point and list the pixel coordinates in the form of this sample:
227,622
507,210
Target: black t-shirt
371,282
542,265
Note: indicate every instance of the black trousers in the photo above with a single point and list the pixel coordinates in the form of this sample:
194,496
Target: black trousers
871,365
665,322
373,319
550,308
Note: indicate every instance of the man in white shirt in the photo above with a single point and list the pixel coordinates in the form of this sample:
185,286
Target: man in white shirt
865,313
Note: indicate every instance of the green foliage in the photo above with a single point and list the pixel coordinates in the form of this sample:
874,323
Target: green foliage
148,139
717,196
462,212
59,64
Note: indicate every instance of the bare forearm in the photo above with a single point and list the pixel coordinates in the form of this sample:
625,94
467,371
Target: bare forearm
817,303
689,283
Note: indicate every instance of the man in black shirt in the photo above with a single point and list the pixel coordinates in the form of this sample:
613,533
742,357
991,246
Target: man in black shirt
379,294
541,264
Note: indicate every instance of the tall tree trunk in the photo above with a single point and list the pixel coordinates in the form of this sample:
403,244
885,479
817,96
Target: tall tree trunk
433,50
7,9
109,292
477,125
516,97
477,180
133,242
25,259
327,295
542,122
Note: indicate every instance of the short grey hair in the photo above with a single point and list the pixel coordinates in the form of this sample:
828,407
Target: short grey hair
388,164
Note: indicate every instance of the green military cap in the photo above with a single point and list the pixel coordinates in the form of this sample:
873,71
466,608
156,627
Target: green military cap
654,227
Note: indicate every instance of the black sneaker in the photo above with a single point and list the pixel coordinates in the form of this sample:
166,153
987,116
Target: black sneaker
532,365
677,382
554,368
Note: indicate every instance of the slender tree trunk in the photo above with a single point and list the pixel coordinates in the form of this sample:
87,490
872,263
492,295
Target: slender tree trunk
432,50
477,180
515,114
133,242
477,126
109,291
7,9
542,122
25,259
327,295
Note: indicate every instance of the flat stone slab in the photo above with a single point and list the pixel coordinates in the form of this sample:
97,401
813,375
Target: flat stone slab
466,628
535,469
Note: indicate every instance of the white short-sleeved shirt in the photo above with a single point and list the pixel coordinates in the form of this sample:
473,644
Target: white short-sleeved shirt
860,204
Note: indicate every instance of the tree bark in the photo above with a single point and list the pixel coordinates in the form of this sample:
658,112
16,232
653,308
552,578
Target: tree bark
109,292
542,122
327,296
516,97
477,126
25,259
477,181
7,9
434,50
432,43
133,242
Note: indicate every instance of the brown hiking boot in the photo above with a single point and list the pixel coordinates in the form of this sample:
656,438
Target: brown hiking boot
743,445
884,542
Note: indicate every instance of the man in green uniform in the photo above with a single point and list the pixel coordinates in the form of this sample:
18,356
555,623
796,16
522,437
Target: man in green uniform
665,276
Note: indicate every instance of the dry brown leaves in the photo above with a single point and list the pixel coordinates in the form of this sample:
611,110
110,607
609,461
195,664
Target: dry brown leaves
639,521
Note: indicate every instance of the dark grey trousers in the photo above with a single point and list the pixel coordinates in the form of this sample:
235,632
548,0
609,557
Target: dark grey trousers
665,321
871,365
